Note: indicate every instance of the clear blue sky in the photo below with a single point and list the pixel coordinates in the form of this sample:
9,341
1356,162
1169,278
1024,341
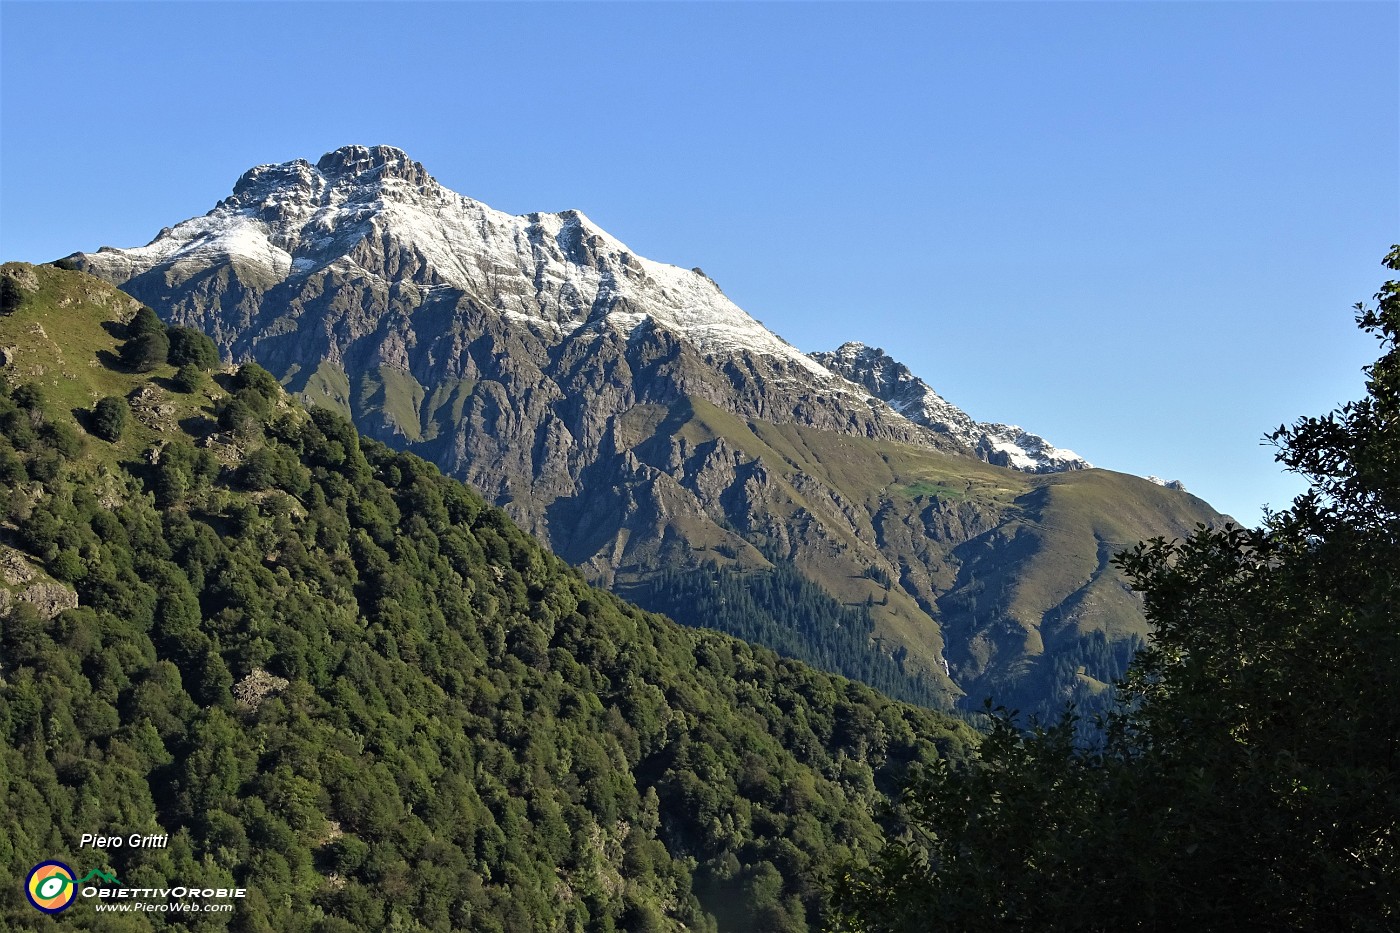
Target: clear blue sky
1135,228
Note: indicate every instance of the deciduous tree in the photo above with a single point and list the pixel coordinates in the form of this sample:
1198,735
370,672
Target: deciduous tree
1251,779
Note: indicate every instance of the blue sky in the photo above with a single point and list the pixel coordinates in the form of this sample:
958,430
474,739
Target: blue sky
1134,228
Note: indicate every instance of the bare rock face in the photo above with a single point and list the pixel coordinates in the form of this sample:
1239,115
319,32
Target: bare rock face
258,686
1002,444
20,276
49,599
150,407
16,281
15,567
21,581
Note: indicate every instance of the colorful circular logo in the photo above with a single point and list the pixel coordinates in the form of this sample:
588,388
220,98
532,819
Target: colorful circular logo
50,887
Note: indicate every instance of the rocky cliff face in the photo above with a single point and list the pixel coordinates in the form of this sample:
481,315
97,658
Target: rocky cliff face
891,381
632,417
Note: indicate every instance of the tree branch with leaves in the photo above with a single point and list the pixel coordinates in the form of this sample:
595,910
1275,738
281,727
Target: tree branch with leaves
1250,779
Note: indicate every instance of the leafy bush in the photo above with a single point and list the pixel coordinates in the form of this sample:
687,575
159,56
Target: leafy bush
110,418
145,322
191,347
253,377
189,378
29,396
10,295
145,351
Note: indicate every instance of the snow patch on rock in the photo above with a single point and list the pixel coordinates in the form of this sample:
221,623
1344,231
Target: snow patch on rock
1002,444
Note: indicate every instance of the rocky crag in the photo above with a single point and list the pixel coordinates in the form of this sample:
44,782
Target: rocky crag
890,381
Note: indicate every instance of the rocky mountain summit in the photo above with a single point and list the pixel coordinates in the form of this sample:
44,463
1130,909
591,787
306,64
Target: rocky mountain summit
891,382
654,434
374,212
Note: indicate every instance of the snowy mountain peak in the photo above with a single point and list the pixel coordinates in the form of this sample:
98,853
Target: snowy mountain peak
851,350
373,211
299,173
357,161
892,382
886,378
370,168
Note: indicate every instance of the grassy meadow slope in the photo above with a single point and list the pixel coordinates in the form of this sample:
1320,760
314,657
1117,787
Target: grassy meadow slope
998,572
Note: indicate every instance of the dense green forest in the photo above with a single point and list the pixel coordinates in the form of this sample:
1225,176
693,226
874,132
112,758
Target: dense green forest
786,611
343,682
1250,780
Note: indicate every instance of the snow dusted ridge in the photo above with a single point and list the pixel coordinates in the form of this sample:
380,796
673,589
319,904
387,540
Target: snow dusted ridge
376,216
292,220
892,382
296,219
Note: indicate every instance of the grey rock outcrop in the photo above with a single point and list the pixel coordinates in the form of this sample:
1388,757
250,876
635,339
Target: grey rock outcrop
891,381
48,599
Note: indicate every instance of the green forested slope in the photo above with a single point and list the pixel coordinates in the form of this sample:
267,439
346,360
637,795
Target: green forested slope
340,680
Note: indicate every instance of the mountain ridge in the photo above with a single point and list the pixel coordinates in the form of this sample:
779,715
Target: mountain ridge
260,225
639,423
341,199
892,382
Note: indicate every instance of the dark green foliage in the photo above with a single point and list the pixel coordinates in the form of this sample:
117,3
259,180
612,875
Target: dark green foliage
235,415
189,347
786,611
251,376
189,378
1004,845
29,396
1252,779
256,402
10,295
145,322
1072,666
878,574
178,470
145,351
110,417
148,343
344,682
67,566
276,468
32,445
62,437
